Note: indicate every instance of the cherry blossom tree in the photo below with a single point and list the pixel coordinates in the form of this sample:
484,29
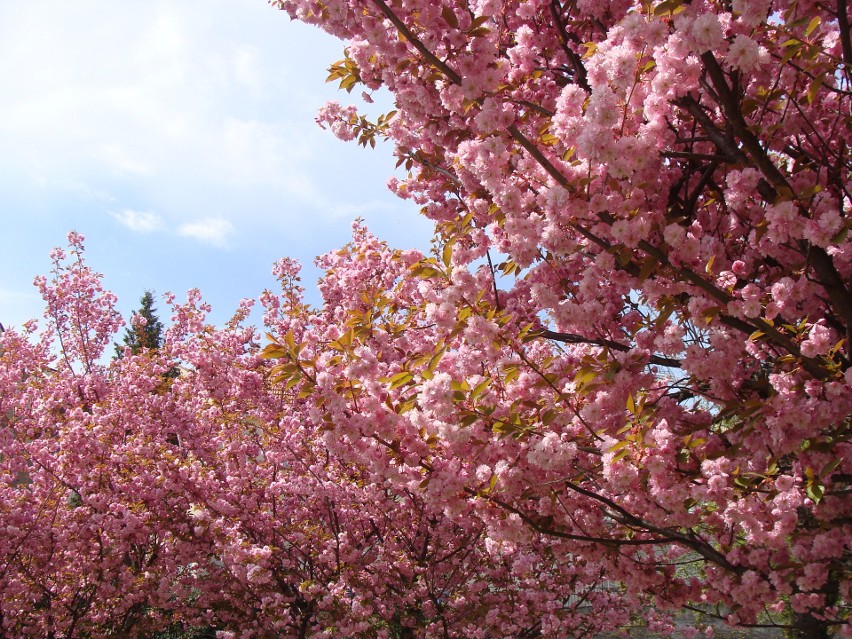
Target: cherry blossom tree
633,335
133,500
617,391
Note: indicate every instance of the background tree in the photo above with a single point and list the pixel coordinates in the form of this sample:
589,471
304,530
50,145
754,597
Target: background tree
259,524
145,330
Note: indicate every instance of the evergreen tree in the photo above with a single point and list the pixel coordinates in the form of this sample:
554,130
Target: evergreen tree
143,334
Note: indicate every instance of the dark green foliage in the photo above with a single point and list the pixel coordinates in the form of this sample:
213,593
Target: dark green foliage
147,334
179,631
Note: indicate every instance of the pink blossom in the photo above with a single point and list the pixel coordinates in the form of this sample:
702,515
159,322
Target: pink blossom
784,222
819,340
744,54
706,32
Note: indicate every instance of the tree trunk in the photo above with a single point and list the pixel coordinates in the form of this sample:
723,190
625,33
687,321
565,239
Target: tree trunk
805,626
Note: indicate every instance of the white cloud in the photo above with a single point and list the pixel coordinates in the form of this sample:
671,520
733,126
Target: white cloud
148,91
181,108
212,231
139,221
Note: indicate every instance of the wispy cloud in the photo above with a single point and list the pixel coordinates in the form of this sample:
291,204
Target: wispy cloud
139,221
166,101
212,231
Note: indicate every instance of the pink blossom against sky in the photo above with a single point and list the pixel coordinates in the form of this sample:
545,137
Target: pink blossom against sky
178,136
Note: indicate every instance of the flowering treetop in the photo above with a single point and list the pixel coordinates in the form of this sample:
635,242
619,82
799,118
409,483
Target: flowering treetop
666,185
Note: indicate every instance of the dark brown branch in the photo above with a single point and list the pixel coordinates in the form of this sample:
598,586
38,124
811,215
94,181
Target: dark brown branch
703,181
845,38
726,145
623,516
571,338
734,117
416,43
543,527
580,76
688,155
821,261
812,366
493,280
841,296
539,157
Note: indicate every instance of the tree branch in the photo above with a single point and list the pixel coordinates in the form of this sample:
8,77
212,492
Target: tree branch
416,43
841,296
623,516
577,63
572,338
845,38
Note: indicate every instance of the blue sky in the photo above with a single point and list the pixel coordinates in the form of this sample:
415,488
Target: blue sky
178,136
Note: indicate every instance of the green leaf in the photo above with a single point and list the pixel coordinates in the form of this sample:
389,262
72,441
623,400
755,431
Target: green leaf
813,24
421,270
461,386
584,376
469,420
648,267
400,379
619,445
669,6
273,351
830,467
435,360
510,373
479,31
742,482
816,85
406,406
447,253
621,455
502,428
478,21
815,491
479,388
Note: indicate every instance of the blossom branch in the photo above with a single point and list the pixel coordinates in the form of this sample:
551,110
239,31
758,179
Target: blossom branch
572,338
416,43
840,295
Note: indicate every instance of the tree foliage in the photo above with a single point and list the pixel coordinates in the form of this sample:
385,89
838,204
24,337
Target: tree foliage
618,389
662,189
146,329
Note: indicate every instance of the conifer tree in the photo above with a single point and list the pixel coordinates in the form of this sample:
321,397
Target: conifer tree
146,329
